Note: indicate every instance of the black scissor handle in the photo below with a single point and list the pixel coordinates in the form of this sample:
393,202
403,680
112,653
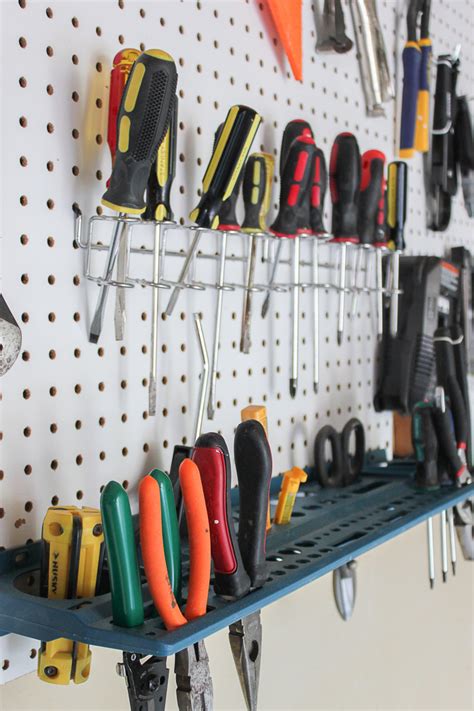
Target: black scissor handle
352,465
330,474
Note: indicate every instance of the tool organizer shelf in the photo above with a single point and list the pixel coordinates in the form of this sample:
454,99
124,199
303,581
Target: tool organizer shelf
329,527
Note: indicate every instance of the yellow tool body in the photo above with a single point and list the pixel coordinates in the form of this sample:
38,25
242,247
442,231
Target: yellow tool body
289,488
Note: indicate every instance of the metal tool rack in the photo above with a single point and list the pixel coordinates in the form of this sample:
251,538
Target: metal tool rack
73,414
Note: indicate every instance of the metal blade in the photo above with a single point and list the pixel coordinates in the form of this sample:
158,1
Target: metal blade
245,637
344,586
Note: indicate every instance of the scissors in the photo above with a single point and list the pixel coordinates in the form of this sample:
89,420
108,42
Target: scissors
346,461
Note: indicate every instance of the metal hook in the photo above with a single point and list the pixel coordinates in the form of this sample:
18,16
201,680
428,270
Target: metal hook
204,375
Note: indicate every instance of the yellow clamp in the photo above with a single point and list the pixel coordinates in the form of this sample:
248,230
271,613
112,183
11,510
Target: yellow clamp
289,488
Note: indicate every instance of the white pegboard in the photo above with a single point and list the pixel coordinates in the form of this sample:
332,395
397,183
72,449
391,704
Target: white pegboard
74,414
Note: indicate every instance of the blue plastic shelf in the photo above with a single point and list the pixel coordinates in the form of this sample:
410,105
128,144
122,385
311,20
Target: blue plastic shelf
328,528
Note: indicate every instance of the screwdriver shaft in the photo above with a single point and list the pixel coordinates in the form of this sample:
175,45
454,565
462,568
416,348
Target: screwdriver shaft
452,540
394,298
271,281
342,293
122,272
155,315
211,405
379,292
204,376
295,317
431,567
245,341
96,325
444,546
355,291
315,316
184,273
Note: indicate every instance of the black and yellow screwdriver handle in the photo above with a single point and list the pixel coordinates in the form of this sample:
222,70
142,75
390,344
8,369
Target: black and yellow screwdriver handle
397,186
226,163
163,170
256,190
142,123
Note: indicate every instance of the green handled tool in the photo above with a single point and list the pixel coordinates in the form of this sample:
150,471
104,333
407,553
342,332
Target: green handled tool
170,527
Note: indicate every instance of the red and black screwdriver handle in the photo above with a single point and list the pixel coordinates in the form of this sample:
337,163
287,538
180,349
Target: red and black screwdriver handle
211,456
253,461
294,190
344,181
293,129
318,193
371,193
447,377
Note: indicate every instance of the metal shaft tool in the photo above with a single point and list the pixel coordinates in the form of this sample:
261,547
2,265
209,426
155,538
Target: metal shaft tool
344,177
397,185
452,540
431,568
159,209
225,165
257,191
141,106
291,221
444,546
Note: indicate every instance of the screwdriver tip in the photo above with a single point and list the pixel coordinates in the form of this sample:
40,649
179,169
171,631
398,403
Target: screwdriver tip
445,576
431,583
265,308
316,388
293,385
339,338
454,568
93,337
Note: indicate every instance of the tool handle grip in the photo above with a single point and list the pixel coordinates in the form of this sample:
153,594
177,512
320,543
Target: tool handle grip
463,137
254,192
163,170
253,461
170,528
447,377
318,193
397,186
371,192
293,214
142,124
293,129
211,456
125,585
422,129
329,474
226,163
443,422
122,66
425,444
344,180
411,58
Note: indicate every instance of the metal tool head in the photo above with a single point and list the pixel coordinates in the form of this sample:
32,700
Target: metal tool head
245,637
345,588
194,690
10,337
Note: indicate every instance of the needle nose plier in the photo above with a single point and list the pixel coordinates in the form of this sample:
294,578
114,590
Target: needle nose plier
194,683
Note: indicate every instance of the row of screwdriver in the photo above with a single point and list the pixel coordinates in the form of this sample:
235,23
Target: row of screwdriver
367,209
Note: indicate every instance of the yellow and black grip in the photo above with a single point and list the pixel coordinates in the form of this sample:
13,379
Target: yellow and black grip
71,566
141,126
422,129
227,214
226,163
163,170
256,191
295,186
397,186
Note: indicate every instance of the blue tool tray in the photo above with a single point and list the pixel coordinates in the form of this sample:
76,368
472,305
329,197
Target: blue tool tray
329,527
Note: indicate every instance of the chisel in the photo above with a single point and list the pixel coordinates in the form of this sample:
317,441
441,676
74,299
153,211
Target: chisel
142,105
223,170
344,180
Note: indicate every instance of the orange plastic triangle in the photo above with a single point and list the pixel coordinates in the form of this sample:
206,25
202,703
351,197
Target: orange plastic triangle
286,15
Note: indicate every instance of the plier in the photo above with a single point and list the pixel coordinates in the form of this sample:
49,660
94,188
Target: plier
160,544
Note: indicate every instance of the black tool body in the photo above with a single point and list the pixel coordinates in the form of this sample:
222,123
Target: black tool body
371,192
318,193
447,377
162,174
293,214
344,466
344,181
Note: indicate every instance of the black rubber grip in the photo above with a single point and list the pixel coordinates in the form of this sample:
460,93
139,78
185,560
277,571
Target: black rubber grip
226,164
447,377
227,213
142,123
344,180
353,464
463,139
211,455
425,443
293,129
293,214
447,442
253,190
318,193
253,462
329,473
371,192
163,170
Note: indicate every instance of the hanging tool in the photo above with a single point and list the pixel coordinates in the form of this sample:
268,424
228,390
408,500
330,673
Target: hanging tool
225,165
397,187
137,146
331,28
10,337
344,180
286,499
288,23
71,567
316,221
415,57
372,55
370,224
464,150
293,220
159,209
253,462
259,413
347,453
194,683
257,193
293,129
